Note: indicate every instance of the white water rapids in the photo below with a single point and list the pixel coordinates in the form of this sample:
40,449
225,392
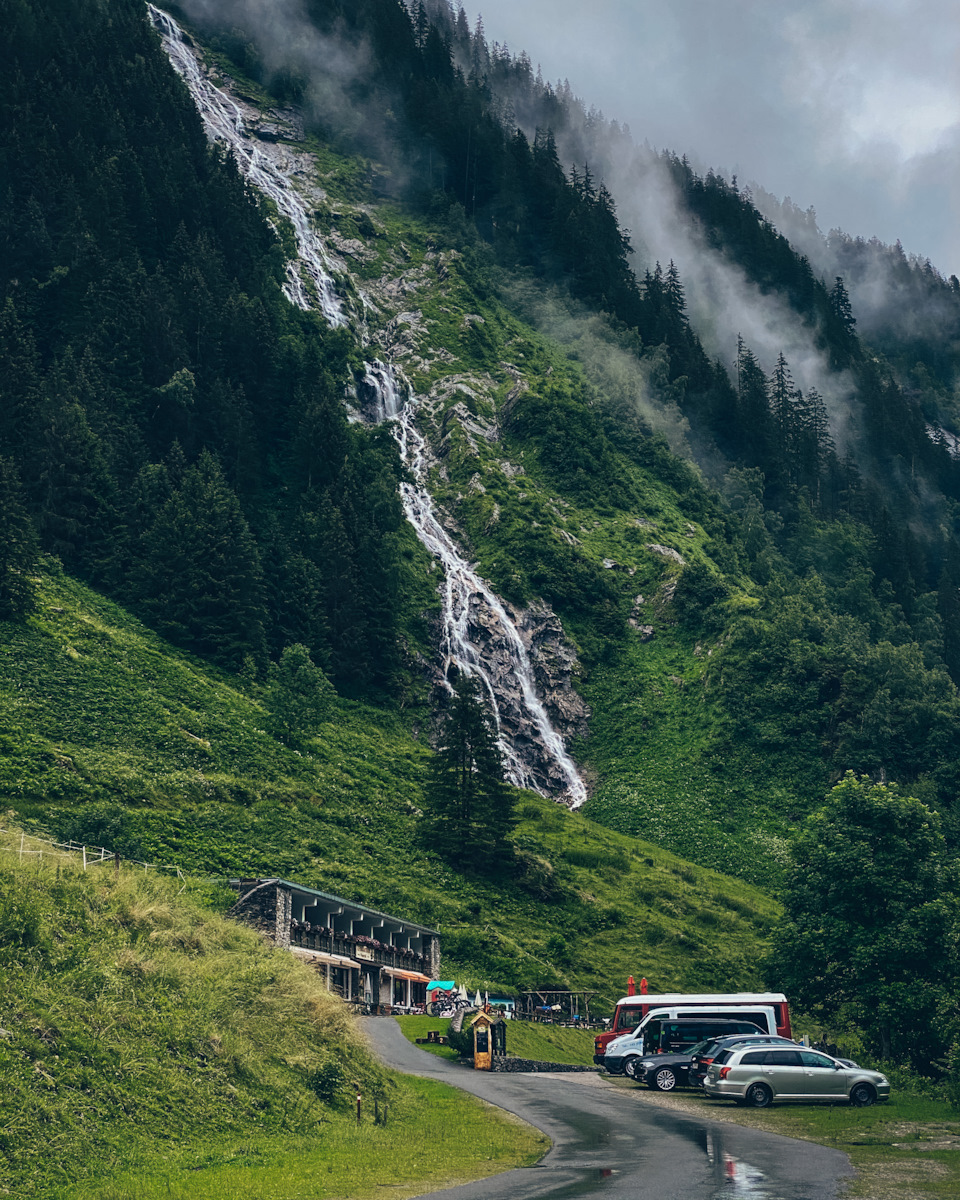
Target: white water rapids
531,762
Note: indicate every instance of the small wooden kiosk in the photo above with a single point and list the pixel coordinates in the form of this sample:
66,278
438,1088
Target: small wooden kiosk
489,1039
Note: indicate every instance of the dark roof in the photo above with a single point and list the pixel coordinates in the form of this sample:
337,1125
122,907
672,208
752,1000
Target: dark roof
300,889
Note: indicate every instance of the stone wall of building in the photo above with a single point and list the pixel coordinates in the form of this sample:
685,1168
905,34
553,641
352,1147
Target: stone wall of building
267,907
434,958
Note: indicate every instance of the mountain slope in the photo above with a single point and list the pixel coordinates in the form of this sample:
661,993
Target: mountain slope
113,738
552,433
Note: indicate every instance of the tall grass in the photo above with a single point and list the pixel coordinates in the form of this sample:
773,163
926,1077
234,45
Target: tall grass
148,1037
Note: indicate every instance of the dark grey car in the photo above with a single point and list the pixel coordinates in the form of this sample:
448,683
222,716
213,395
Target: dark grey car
759,1076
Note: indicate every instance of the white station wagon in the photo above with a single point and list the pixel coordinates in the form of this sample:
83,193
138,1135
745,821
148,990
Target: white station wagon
759,1076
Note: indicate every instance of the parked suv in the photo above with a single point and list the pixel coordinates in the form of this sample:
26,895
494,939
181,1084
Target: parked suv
667,1037
705,1055
758,1076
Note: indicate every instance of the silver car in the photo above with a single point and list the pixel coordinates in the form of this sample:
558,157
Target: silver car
759,1076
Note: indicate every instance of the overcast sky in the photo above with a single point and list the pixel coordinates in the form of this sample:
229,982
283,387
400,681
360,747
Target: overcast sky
851,106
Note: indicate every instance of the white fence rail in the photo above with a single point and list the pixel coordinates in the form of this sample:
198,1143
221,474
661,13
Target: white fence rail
16,841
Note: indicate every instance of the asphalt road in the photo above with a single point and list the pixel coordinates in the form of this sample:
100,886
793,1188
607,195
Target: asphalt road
608,1144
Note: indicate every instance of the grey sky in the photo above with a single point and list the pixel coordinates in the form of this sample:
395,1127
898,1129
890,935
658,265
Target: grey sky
852,106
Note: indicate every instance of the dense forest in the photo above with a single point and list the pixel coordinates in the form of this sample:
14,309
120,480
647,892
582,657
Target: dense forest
175,427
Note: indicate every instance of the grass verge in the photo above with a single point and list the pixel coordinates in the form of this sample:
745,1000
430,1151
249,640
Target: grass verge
434,1136
525,1039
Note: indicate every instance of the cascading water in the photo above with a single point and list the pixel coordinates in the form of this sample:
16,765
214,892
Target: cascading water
224,122
464,592
536,760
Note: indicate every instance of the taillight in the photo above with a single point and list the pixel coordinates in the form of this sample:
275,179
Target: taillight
705,1062
724,1072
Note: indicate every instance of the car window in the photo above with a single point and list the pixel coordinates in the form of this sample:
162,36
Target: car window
782,1058
723,1056
810,1058
755,1056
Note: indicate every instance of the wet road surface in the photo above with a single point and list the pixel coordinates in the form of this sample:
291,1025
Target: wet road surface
608,1145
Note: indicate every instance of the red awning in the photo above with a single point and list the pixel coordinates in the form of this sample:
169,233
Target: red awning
415,976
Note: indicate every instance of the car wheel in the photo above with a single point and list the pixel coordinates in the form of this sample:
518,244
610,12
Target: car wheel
862,1095
630,1067
759,1096
664,1080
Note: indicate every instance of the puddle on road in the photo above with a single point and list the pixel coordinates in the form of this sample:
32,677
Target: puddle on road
738,1180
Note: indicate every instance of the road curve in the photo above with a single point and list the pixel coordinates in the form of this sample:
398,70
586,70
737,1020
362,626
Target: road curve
606,1144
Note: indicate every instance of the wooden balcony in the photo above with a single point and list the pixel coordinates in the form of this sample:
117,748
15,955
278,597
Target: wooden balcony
362,953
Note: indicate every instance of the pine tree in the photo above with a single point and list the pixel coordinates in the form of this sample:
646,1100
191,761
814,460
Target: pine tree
948,608
842,309
299,695
201,582
673,293
782,399
469,808
75,492
753,408
19,381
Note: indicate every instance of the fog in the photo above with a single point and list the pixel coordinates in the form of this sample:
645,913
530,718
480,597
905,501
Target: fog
849,106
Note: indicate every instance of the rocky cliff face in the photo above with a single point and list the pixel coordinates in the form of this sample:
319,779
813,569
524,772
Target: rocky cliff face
555,669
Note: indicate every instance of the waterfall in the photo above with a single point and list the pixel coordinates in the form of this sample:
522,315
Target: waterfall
464,592
533,751
223,120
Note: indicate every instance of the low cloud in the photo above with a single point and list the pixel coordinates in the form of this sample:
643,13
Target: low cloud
852,106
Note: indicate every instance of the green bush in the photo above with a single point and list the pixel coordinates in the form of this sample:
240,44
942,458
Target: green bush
461,1041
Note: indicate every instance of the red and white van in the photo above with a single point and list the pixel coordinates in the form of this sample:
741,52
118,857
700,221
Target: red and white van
768,1010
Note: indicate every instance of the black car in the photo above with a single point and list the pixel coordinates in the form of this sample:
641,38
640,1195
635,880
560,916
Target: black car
705,1054
664,1072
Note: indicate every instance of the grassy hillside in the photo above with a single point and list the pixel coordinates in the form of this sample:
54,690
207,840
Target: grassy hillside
151,1047
113,738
